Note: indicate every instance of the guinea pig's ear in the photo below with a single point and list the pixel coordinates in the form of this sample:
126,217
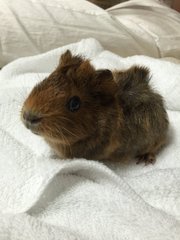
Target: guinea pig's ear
65,58
105,87
67,61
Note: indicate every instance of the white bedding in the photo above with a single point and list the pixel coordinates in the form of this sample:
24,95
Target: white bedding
42,197
29,27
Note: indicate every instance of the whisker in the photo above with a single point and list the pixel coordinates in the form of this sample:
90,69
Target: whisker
72,134
64,138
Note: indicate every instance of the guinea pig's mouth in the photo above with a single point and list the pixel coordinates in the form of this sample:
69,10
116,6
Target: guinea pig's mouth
39,124
35,131
33,128
31,121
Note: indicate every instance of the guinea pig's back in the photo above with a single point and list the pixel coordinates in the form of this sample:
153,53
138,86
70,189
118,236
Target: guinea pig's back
145,117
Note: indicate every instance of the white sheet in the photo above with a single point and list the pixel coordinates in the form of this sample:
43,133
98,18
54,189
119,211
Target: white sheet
134,27
46,198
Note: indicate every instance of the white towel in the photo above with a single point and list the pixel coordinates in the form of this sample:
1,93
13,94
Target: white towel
42,197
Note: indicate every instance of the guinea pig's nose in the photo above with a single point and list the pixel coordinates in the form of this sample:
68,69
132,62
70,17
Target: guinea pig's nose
31,118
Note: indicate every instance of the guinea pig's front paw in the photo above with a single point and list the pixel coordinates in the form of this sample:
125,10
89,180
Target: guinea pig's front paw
148,158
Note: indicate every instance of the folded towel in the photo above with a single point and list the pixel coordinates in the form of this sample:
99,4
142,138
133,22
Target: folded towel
43,197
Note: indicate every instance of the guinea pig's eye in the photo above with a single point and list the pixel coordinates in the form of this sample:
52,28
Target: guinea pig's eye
74,104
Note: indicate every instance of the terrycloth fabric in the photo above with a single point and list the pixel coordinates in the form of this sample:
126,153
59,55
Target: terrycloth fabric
42,197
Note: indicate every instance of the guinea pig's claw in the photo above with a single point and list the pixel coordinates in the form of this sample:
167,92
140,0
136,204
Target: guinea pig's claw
148,158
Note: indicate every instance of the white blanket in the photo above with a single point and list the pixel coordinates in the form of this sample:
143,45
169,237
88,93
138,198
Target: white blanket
42,197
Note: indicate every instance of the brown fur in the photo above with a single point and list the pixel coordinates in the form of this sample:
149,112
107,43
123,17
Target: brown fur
120,115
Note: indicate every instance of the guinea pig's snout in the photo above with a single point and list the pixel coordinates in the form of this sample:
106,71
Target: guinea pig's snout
31,119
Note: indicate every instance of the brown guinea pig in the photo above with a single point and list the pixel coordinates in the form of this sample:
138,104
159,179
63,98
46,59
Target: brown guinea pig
96,114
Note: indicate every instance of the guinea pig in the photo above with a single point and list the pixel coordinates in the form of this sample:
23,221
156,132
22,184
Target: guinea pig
97,114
